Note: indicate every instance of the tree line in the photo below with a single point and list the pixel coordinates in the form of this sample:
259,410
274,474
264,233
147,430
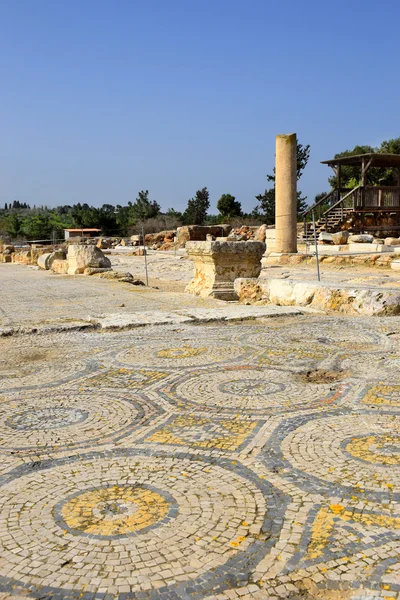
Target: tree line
19,220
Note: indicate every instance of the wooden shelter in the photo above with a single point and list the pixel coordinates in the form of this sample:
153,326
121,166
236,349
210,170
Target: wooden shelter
364,208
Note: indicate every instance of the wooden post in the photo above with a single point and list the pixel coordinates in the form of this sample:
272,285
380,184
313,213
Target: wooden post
339,177
363,171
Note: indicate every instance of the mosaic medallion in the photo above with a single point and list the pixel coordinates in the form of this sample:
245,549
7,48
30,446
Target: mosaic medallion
55,421
38,374
197,352
245,388
46,418
358,450
115,511
377,449
250,387
202,516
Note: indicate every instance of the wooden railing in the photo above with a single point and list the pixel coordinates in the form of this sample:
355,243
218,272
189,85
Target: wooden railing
324,203
381,197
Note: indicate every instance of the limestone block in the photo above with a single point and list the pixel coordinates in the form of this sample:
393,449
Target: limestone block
395,265
43,261
261,234
56,255
59,266
367,300
80,257
364,238
218,264
198,232
325,238
340,238
103,243
366,247
391,241
23,258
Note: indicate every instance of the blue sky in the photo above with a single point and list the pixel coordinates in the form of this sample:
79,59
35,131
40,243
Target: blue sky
100,99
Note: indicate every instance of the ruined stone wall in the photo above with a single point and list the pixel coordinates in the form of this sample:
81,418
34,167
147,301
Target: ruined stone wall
198,233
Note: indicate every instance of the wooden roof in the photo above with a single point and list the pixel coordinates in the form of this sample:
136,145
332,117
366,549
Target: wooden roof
84,229
377,160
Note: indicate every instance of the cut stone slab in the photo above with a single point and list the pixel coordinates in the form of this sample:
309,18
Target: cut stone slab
139,319
395,265
351,300
367,247
239,313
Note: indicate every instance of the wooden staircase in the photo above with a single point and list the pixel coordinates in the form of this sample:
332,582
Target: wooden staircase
330,213
331,223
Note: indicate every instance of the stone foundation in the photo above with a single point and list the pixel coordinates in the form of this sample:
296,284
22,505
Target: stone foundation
350,300
218,264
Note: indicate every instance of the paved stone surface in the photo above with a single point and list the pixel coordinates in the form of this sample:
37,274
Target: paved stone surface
38,301
183,461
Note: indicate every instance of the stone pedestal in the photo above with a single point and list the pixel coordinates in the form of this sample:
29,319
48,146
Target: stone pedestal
218,264
286,193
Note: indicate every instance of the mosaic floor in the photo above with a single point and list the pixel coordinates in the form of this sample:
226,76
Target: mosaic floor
252,460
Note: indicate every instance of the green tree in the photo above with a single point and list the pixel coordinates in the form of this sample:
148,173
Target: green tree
197,207
84,215
143,208
266,206
14,225
38,227
229,207
266,201
171,212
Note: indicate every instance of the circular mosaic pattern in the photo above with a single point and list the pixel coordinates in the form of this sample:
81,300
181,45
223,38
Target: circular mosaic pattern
326,336
189,513
39,374
115,511
57,421
377,449
46,418
194,352
250,387
185,352
246,388
355,450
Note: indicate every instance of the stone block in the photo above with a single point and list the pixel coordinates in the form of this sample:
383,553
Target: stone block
364,238
395,265
342,298
340,238
391,241
325,238
218,264
366,247
59,266
80,257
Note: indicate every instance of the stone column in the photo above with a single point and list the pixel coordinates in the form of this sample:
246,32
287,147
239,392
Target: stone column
286,193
